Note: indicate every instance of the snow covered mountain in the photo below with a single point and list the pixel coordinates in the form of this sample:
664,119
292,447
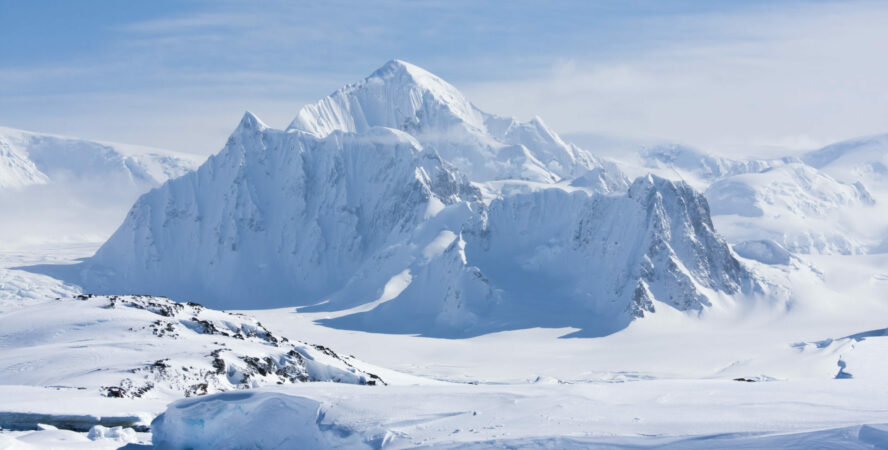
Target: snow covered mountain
862,160
824,202
853,160
58,189
397,198
483,146
794,204
695,165
556,258
29,158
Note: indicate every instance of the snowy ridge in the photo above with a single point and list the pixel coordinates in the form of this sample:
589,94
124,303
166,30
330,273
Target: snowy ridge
824,202
73,190
689,162
485,147
865,157
16,170
152,347
794,204
30,158
367,190
299,214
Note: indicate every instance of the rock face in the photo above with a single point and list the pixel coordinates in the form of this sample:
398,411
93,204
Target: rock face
397,194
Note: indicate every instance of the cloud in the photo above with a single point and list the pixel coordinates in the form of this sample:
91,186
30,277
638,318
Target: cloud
767,77
724,75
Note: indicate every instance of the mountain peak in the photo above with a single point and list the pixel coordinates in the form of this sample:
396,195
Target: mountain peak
397,95
395,66
251,122
407,75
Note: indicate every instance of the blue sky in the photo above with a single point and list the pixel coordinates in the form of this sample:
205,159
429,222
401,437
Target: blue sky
723,75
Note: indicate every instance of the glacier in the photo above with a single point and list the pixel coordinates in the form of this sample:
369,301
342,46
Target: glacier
497,224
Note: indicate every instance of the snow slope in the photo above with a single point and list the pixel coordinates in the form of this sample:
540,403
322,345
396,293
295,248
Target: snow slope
701,168
30,158
668,414
398,181
154,348
552,258
57,189
794,204
862,159
825,201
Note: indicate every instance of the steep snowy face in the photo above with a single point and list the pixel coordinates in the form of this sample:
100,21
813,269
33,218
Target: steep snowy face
55,189
483,146
398,95
610,256
795,205
557,258
16,170
295,214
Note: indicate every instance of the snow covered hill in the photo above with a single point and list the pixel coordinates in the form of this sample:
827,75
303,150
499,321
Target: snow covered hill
399,198
825,202
795,205
56,189
853,160
695,165
30,158
152,347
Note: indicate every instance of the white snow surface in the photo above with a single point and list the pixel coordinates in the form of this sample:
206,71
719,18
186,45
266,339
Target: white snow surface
822,202
532,416
28,158
74,190
803,209
139,346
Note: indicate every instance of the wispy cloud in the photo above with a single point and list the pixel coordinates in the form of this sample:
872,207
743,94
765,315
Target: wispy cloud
719,74
772,77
